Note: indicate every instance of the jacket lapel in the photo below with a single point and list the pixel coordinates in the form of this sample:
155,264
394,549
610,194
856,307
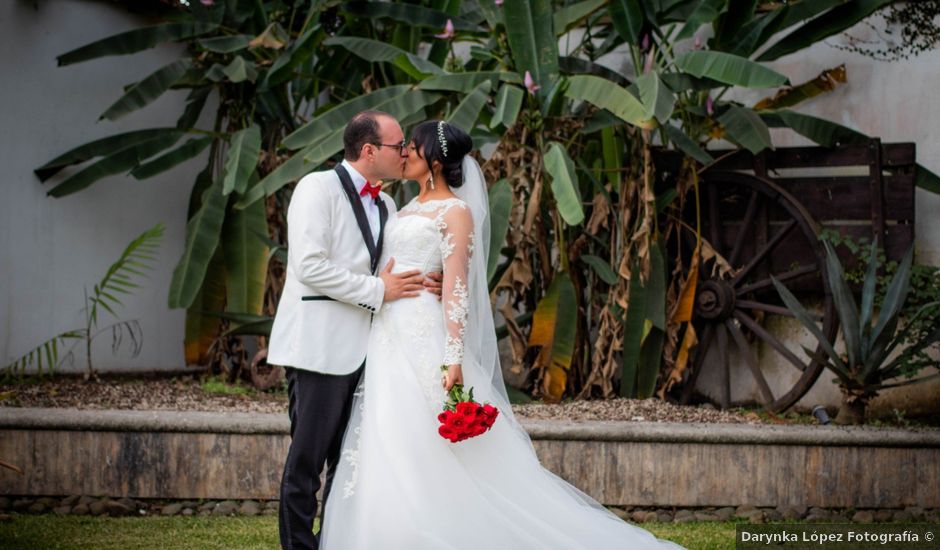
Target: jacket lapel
383,217
360,213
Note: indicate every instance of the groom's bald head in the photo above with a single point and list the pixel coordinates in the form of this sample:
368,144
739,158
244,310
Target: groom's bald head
362,129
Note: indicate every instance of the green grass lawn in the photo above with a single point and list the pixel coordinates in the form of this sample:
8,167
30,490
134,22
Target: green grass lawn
199,533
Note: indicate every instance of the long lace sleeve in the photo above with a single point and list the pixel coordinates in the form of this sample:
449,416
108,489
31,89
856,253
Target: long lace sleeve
456,226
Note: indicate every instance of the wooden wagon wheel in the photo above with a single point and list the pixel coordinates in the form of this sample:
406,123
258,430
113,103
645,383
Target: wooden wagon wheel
760,231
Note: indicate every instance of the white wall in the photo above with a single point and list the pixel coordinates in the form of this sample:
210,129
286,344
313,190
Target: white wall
50,248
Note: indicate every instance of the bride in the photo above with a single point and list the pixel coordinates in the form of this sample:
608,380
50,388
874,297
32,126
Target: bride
399,484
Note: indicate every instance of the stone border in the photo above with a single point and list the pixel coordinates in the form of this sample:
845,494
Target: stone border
238,456
552,430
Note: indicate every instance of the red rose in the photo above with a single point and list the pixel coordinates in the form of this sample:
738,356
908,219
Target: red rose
445,432
457,422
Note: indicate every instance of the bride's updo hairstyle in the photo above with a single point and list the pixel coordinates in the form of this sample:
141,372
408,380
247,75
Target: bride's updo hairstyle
444,143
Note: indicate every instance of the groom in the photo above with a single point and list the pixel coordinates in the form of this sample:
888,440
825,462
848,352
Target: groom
335,230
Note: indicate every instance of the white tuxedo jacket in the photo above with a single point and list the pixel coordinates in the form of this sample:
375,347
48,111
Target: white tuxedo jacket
330,293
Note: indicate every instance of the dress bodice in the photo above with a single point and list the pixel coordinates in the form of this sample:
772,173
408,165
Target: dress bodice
437,236
418,239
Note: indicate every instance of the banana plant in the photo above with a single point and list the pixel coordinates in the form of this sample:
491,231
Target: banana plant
574,199
873,360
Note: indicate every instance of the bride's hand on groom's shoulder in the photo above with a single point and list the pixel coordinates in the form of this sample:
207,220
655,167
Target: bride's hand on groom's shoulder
401,285
433,283
454,375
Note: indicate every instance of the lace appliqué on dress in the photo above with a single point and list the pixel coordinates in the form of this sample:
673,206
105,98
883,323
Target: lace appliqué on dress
457,313
352,455
447,246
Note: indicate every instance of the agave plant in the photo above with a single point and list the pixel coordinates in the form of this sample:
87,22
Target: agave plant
870,362
118,280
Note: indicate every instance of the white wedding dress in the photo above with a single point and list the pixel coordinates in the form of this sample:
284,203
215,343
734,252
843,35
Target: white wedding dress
399,484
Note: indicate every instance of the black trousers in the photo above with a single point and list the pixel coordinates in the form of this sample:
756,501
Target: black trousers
319,408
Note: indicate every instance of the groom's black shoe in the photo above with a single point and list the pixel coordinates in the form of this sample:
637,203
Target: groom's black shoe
319,407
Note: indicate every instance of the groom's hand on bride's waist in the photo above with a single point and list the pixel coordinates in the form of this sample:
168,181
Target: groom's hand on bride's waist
433,283
401,285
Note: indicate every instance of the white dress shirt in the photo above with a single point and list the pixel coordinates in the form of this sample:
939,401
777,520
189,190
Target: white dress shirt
368,204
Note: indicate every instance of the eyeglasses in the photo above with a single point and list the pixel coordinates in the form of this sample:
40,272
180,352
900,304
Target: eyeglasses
400,146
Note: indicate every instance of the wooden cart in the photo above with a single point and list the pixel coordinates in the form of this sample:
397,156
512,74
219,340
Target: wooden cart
763,214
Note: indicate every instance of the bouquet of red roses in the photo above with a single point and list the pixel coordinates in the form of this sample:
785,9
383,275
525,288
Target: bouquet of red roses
463,417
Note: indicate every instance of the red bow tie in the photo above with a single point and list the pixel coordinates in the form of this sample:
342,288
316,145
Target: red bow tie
369,189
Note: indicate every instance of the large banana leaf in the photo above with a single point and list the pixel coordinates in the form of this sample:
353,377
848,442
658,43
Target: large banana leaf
628,18
532,40
738,14
757,32
654,324
148,89
569,16
705,12
102,147
338,116
296,55
834,21
601,267
293,169
927,180
465,82
330,141
240,70
202,239
745,127
400,107
135,40
729,69
500,198
822,131
788,96
564,183
246,259
201,326
607,95
466,114
508,102
554,325
634,328
657,99
195,102
380,52
806,9
830,134
241,160
576,65
119,162
409,14
181,154
611,154
687,145
226,44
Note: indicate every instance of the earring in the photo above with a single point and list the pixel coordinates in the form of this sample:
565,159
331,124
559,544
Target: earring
431,181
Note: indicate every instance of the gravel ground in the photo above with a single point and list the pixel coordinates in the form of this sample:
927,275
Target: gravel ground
188,394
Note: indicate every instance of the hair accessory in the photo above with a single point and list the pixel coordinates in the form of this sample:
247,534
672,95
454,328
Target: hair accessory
440,137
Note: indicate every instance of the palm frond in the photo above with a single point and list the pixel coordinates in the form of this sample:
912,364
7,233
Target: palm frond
44,356
139,253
